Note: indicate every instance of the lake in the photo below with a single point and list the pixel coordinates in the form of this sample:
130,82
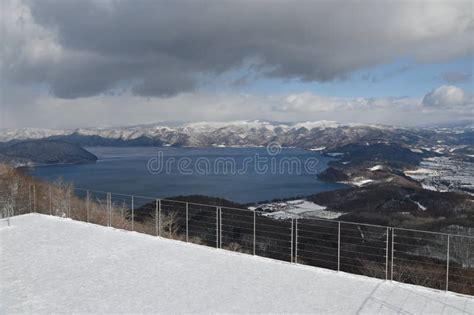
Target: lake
243,175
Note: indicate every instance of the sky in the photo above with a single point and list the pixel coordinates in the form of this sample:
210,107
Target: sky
69,64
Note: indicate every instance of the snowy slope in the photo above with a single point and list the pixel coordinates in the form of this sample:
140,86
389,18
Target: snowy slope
54,265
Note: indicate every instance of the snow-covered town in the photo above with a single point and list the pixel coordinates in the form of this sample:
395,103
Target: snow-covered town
298,208
445,174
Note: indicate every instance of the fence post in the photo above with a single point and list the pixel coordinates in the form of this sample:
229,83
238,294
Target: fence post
296,241
107,208
29,197
393,252
133,214
220,227
109,202
87,205
159,217
292,222
254,230
338,245
386,254
34,198
187,221
217,227
156,217
69,202
447,266
50,201
111,208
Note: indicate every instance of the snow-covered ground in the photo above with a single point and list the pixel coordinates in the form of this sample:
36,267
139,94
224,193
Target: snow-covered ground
378,167
444,174
54,265
296,209
358,181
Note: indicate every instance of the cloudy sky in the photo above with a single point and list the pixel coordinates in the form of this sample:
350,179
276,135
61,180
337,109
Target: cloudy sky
105,62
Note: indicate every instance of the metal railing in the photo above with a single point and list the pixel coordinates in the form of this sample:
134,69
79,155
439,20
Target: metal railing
436,260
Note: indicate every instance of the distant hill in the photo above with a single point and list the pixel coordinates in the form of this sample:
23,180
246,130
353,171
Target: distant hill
385,202
45,152
389,154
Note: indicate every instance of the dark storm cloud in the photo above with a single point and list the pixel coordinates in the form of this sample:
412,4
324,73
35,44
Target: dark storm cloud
164,84
159,48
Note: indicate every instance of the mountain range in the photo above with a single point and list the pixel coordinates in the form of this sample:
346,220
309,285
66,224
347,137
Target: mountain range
309,135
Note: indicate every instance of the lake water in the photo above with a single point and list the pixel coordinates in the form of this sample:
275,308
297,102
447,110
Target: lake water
239,174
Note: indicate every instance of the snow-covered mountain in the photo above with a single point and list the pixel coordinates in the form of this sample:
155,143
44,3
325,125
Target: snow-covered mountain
308,135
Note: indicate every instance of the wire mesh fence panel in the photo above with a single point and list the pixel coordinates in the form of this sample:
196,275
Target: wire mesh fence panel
61,201
420,258
7,202
18,197
41,199
317,243
202,224
15,194
172,219
98,208
7,206
273,238
364,249
121,211
145,215
79,204
236,230
461,264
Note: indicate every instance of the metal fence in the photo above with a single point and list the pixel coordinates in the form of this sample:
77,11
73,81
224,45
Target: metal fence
436,260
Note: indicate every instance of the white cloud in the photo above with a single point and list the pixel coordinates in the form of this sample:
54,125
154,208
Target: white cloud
448,97
308,102
44,110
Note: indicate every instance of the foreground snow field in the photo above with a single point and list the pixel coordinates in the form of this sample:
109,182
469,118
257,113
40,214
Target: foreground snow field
50,264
